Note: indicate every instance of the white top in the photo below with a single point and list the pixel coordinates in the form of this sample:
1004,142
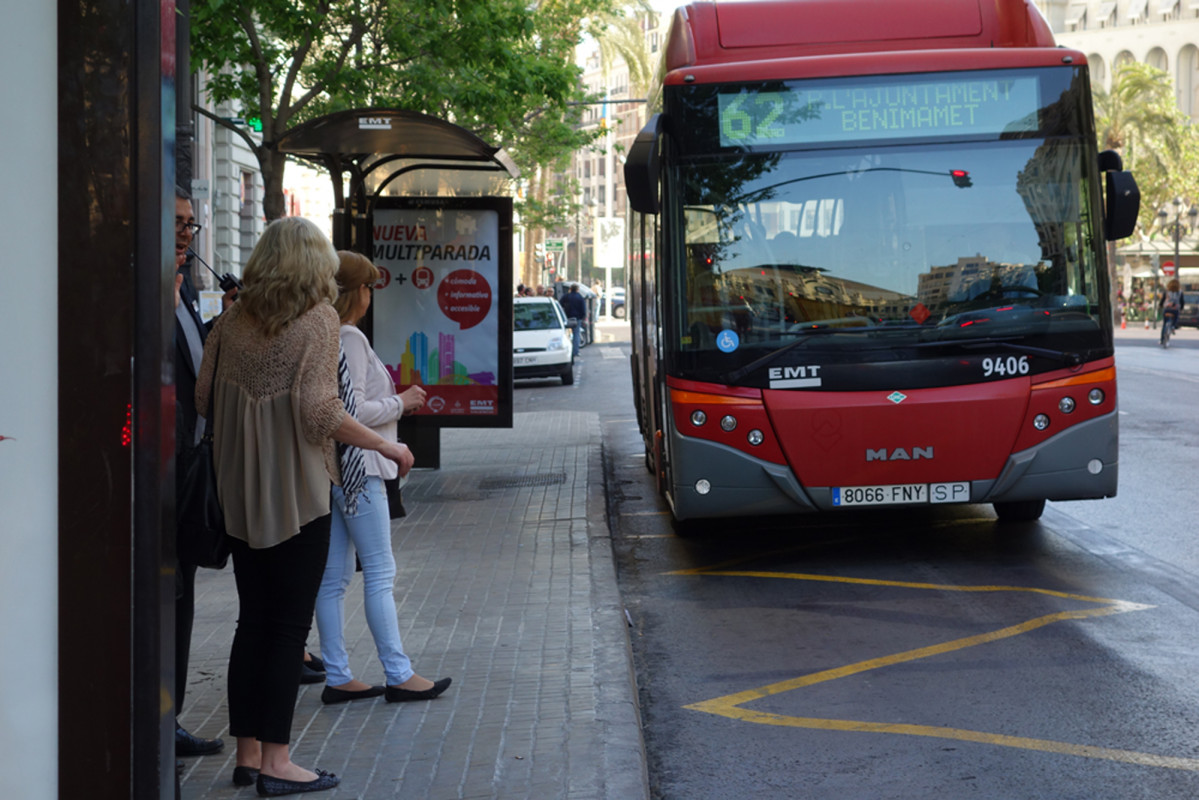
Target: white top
375,395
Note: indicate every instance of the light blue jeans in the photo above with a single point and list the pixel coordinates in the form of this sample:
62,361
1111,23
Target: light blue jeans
368,532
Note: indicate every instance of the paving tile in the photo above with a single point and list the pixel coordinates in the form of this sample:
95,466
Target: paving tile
509,590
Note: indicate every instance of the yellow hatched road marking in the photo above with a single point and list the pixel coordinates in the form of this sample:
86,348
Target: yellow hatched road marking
731,705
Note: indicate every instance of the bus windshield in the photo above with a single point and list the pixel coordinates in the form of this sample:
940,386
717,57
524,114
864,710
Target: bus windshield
886,249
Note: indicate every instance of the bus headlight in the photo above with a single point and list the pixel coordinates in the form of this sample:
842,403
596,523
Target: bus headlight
728,423
702,486
1040,421
755,437
1095,397
1065,405
698,417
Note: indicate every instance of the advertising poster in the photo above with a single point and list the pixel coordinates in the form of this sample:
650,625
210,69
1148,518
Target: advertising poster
442,312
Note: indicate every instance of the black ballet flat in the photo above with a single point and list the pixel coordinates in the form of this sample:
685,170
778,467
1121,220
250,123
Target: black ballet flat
331,695
245,776
269,786
310,675
397,695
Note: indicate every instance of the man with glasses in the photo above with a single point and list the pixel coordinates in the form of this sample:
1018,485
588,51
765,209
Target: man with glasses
190,332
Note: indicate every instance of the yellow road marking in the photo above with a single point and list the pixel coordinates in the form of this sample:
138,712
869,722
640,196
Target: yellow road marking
731,705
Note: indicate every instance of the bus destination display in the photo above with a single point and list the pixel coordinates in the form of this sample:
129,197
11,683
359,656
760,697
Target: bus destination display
827,111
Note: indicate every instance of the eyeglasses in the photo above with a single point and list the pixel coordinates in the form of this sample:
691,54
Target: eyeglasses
191,227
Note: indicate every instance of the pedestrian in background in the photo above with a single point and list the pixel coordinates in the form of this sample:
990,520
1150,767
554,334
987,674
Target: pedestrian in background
576,310
363,523
271,367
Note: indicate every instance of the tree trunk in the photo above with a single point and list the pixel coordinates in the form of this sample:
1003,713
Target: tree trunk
272,162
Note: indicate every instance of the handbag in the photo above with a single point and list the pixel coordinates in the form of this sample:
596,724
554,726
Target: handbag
395,498
200,522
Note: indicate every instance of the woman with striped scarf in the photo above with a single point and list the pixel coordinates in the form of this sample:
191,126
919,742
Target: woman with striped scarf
361,521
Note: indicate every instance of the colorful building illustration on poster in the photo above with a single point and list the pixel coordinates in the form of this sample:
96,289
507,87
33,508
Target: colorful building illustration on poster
437,315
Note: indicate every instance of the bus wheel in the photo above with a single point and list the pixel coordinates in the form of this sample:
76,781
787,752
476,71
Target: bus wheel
1019,510
690,528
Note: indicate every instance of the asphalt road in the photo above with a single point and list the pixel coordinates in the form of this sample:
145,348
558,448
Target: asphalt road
913,655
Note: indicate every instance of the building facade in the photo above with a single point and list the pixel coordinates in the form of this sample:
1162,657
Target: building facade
1161,33
595,244
226,192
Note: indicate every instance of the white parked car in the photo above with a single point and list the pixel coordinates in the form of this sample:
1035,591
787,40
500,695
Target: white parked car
541,340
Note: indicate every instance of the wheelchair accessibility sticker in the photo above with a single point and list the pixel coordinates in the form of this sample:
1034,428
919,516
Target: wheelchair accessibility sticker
728,341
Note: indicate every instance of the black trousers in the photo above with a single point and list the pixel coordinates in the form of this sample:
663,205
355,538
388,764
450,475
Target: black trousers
185,613
276,592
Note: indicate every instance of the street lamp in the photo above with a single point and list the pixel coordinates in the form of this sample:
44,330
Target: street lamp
1192,212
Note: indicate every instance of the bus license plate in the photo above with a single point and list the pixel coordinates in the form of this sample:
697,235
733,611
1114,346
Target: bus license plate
893,494
902,494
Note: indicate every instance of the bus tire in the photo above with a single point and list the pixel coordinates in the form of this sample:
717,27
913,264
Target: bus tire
1019,510
689,528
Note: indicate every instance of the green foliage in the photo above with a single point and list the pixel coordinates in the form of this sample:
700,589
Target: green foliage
501,68
554,213
621,37
1140,118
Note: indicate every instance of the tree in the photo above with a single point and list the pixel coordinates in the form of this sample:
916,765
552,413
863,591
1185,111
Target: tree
500,68
621,36
551,201
1140,119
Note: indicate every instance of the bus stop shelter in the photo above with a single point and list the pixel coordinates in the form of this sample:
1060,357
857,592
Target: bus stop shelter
430,204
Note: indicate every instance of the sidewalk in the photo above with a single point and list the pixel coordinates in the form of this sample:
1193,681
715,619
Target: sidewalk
506,584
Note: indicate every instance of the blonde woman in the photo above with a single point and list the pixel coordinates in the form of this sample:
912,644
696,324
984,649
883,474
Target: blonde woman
366,526
270,366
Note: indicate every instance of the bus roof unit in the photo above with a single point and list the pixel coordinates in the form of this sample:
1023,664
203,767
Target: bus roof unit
708,32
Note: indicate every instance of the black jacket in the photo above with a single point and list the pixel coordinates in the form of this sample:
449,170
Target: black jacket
574,305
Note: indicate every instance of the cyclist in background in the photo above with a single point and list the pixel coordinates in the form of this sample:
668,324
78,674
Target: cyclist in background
1171,303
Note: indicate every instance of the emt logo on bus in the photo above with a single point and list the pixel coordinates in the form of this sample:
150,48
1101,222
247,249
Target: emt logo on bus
794,377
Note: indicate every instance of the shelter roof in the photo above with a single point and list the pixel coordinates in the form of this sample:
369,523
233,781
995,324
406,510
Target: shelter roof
361,133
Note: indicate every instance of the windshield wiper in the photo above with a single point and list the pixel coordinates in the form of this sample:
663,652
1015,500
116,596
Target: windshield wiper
1067,358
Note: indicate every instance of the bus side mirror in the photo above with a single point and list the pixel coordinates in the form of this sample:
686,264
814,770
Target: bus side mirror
641,169
1110,161
1123,205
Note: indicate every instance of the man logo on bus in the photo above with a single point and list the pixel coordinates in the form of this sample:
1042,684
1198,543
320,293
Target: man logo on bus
899,454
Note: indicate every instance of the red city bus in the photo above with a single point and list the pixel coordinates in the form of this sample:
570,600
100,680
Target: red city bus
867,261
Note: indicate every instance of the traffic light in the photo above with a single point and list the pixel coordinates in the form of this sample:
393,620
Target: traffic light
961,178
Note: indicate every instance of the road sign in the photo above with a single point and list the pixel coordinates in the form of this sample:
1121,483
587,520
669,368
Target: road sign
1168,268
555,245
